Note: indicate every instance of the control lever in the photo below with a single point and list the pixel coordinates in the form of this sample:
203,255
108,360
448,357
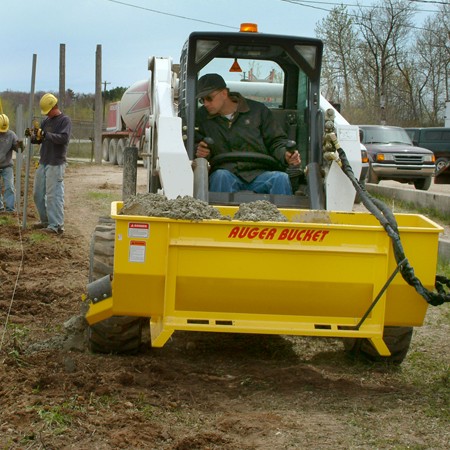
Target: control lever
294,171
209,141
201,174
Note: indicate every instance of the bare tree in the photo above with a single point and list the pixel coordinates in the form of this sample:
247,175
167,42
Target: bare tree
340,41
384,31
383,68
432,51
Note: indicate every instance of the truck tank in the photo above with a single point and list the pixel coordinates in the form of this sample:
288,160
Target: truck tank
126,122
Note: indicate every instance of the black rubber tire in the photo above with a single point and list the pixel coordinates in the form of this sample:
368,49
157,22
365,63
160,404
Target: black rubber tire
121,144
112,148
440,163
423,184
119,334
101,257
105,149
397,339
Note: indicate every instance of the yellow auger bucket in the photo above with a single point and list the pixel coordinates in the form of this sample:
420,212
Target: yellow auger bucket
319,274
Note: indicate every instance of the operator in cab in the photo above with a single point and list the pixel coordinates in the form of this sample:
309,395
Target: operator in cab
227,122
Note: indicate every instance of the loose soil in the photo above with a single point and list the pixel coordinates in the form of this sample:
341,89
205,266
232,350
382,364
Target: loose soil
200,391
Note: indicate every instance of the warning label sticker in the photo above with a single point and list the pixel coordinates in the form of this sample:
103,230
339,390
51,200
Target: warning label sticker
137,251
138,230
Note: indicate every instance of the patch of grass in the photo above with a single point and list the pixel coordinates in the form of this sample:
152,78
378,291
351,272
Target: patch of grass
18,331
400,206
443,268
146,410
7,219
17,358
17,335
35,238
101,200
55,417
96,195
103,401
58,418
12,244
432,377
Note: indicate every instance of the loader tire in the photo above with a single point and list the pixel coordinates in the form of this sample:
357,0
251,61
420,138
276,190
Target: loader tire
397,339
118,334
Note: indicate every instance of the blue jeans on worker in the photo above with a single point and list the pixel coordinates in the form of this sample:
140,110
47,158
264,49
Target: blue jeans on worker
8,200
275,182
49,195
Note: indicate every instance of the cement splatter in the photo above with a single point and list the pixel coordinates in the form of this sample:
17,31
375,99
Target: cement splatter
259,211
189,208
156,205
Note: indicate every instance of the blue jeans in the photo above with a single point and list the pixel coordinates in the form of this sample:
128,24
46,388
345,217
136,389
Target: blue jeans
49,195
275,182
8,200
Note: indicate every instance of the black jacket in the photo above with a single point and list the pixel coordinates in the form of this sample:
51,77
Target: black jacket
252,129
56,141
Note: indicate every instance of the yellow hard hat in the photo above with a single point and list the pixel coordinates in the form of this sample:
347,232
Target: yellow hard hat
4,123
48,101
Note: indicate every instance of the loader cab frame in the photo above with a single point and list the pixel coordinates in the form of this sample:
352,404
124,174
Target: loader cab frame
297,61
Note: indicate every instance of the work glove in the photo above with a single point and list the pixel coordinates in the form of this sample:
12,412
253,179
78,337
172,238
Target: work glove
39,134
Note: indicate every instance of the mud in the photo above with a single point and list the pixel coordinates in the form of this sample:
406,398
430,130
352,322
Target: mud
202,391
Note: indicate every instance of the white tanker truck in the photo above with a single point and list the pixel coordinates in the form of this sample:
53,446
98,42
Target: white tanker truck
126,122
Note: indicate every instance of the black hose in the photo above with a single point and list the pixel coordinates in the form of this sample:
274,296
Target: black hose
387,219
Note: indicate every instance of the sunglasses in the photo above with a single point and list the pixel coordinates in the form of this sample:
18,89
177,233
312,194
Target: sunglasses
209,98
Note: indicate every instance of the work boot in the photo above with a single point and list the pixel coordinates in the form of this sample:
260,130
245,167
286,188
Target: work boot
52,230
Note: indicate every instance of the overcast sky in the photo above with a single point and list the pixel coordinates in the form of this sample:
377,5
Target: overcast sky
129,31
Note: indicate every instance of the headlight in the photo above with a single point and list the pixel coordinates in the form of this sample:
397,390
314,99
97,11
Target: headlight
429,158
384,157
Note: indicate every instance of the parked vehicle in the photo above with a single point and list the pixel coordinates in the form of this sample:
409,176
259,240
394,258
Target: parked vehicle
436,139
364,171
394,157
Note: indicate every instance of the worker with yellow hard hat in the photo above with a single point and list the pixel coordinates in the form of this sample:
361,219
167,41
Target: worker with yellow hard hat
53,135
8,144
48,101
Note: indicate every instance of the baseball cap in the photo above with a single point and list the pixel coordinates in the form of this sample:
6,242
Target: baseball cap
209,83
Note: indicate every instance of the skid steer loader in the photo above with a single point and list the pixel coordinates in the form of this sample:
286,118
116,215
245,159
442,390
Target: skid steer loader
325,271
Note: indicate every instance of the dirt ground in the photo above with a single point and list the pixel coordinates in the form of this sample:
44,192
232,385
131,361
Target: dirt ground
200,391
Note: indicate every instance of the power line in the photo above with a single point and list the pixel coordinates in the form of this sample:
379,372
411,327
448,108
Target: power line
338,3
431,2
171,15
303,3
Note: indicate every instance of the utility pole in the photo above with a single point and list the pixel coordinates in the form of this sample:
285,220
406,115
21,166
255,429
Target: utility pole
104,98
62,76
98,106
29,147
